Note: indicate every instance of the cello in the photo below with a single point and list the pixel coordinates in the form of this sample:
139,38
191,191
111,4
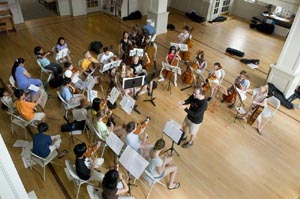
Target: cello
188,77
150,50
172,61
187,54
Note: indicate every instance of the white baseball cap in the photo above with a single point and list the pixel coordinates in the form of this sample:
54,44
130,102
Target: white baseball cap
68,73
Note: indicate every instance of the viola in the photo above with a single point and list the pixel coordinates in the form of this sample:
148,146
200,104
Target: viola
92,149
142,126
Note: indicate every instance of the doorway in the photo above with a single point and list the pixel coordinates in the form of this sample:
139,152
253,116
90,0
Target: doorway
36,9
92,6
220,7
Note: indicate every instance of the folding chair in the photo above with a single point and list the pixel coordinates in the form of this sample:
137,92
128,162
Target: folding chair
77,181
67,106
43,162
151,180
49,73
269,111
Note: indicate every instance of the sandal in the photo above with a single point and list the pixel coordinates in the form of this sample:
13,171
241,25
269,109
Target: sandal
176,186
62,154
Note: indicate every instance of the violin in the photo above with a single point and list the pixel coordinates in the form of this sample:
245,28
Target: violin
92,149
142,126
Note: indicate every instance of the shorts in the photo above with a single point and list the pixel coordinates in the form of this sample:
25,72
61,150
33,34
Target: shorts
193,128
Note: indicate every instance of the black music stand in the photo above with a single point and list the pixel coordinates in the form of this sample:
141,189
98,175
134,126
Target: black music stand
149,80
132,83
71,133
173,131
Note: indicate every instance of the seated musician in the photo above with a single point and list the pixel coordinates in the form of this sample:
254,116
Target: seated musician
68,96
184,35
7,95
173,59
61,45
133,140
185,38
44,144
259,98
114,185
137,70
216,76
85,165
150,49
45,62
88,63
159,166
242,83
199,65
27,109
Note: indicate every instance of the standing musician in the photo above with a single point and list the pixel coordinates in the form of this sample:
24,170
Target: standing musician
242,83
172,59
216,76
132,139
185,37
85,164
150,50
259,101
136,36
195,115
124,48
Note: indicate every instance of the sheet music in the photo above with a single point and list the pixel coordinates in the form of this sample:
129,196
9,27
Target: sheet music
91,95
136,51
252,66
115,143
114,94
90,83
34,88
172,130
127,104
79,114
183,47
20,143
133,162
218,87
174,69
111,65
241,93
61,54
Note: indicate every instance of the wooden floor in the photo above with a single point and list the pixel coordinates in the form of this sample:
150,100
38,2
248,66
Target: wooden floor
228,160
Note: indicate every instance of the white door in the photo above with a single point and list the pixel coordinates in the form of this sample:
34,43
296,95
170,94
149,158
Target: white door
220,7
92,6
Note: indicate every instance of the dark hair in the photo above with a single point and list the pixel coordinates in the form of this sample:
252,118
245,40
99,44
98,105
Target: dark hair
100,114
2,90
243,72
67,64
125,33
18,93
172,48
80,149
15,66
42,127
201,52
105,49
60,38
37,50
159,144
218,64
96,104
110,179
186,28
130,126
67,81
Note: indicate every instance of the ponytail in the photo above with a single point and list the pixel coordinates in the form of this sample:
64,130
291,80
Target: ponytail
15,66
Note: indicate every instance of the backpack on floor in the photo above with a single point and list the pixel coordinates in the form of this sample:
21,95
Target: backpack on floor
96,46
56,82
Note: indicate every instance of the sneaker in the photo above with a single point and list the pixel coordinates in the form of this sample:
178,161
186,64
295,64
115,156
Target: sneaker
187,145
175,84
161,79
62,154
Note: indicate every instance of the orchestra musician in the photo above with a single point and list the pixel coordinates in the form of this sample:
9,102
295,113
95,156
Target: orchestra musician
216,76
86,166
199,65
124,48
172,59
61,45
136,36
185,37
242,83
88,63
133,140
150,50
259,101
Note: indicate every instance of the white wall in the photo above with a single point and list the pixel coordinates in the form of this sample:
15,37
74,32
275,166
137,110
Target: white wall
14,6
247,10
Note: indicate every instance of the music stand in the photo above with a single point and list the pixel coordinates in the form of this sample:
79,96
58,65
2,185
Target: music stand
71,133
111,65
174,69
116,145
132,83
136,51
218,88
241,98
182,47
149,79
173,131
134,163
